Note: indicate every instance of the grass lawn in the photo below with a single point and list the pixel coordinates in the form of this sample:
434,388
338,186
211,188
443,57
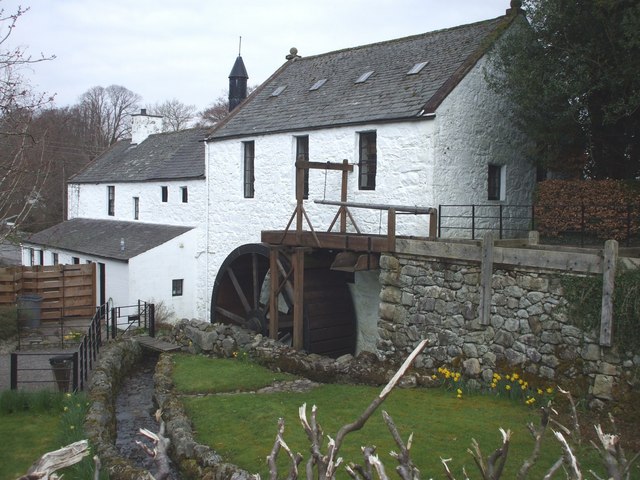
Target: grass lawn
242,427
34,423
25,436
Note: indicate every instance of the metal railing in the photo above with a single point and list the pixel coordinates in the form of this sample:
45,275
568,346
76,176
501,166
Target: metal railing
581,224
70,365
131,317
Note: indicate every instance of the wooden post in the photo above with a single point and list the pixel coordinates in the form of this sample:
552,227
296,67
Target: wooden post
486,275
343,196
433,225
608,282
298,300
299,200
273,292
391,229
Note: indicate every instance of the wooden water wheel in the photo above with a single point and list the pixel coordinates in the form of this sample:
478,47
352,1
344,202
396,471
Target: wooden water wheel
241,297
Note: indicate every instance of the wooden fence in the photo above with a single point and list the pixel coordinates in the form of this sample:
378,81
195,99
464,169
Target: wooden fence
66,290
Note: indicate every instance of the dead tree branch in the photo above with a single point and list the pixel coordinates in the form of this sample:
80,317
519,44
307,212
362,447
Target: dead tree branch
159,450
492,468
51,462
538,434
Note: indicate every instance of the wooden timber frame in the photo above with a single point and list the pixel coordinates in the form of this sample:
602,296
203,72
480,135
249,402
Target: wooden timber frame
301,242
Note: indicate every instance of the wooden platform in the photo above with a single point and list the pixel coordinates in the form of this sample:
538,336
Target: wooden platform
157,345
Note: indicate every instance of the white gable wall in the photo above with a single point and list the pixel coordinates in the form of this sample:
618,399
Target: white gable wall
151,274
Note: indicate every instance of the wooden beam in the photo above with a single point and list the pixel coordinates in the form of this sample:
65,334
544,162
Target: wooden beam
298,301
608,283
273,292
343,197
486,276
343,166
391,229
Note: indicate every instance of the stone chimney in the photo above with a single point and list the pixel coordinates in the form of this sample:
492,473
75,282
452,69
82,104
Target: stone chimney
515,7
143,125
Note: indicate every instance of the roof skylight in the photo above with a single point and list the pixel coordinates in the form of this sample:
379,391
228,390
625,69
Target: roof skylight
318,84
364,77
278,90
417,68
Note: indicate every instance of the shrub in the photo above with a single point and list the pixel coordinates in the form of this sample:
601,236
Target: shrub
8,322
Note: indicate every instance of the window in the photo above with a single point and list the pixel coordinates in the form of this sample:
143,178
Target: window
41,257
278,90
75,260
165,194
54,258
249,173
302,155
417,68
367,161
495,182
364,77
318,84
136,208
111,197
32,257
185,194
176,287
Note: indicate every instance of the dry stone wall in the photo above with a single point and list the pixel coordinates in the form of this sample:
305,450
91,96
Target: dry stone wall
529,330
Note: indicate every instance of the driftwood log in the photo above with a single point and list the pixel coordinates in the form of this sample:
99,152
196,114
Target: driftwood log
49,463
159,448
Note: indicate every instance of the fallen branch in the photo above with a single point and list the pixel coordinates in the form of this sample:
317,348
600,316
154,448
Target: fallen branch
159,449
49,463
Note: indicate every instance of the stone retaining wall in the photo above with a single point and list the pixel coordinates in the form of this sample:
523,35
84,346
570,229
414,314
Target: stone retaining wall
529,330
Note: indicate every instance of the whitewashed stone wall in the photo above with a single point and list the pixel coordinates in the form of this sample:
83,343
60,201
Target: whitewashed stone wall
426,162
529,330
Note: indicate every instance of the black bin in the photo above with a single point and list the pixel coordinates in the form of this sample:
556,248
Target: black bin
62,366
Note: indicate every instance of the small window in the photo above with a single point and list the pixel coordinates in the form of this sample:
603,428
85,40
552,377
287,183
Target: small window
176,287
75,260
136,208
278,90
41,257
417,68
32,257
318,84
111,198
495,182
185,194
165,194
364,77
54,258
302,154
367,161
248,167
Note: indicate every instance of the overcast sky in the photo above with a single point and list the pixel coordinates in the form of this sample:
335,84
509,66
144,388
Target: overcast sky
184,49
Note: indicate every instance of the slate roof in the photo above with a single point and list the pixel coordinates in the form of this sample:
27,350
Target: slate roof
389,94
102,237
162,156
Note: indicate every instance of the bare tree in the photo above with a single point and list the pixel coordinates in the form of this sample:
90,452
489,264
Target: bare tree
21,175
176,115
217,111
105,113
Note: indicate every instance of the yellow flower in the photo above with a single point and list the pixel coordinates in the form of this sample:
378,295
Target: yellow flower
72,427
521,381
66,408
508,387
68,395
458,396
540,392
515,376
493,384
523,387
459,392
549,390
507,377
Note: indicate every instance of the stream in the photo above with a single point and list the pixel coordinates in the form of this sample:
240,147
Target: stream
135,409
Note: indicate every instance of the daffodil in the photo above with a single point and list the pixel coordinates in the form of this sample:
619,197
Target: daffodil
507,387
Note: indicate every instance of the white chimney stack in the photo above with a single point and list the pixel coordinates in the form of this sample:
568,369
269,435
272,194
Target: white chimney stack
143,125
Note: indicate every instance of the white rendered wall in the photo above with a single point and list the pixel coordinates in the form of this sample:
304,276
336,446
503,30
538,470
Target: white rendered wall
91,201
151,275
473,131
404,174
